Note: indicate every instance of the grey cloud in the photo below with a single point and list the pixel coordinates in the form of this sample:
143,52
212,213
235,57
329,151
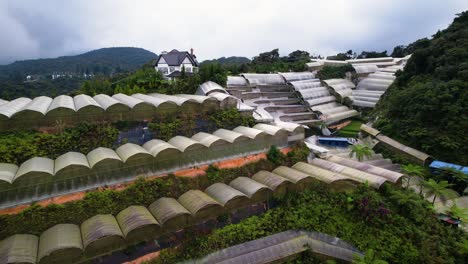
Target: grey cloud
49,28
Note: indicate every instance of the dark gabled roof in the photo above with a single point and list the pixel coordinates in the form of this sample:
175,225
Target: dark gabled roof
175,58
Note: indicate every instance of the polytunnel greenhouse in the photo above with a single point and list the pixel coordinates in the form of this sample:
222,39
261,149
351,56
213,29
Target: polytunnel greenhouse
60,244
61,109
253,189
200,205
302,181
138,224
104,234
278,184
166,155
88,109
101,234
41,178
170,214
19,249
227,196
44,111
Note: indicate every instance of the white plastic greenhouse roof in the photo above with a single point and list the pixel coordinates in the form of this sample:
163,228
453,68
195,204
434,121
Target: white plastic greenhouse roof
263,78
39,104
233,81
130,150
209,87
10,108
62,101
128,100
155,146
8,172
208,139
297,76
70,159
269,129
183,143
156,101
100,154
363,69
37,164
83,100
229,135
105,101
249,132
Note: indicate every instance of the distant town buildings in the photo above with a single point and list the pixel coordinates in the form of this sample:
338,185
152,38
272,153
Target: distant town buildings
170,64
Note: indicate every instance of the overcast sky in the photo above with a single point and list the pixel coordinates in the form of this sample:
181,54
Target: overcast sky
216,28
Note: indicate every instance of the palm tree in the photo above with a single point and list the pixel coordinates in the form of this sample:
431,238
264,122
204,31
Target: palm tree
458,213
411,171
360,151
439,189
368,258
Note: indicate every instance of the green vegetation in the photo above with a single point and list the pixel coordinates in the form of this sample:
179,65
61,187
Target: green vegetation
189,124
360,151
333,72
350,130
36,219
233,60
19,146
396,232
439,190
231,118
426,107
101,62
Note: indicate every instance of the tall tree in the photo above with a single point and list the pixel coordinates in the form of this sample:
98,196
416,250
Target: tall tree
439,189
360,151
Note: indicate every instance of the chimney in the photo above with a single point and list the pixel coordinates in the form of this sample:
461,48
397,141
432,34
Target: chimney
191,51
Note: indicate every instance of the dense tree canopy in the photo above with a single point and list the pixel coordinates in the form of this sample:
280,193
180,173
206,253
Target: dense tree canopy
427,105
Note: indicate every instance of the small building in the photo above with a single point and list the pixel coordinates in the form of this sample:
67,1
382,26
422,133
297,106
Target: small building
170,64
437,165
334,141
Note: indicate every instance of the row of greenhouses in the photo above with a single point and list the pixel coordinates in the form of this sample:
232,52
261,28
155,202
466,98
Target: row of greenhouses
102,234
45,111
41,177
387,142
281,247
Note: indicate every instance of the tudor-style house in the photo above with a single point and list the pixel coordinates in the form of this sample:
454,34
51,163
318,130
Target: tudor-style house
170,64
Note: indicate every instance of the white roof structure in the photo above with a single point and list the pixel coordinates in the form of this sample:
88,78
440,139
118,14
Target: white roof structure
297,76
263,78
106,102
236,81
130,150
209,87
62,101
84,101
184,143
39,104
70,159
101,154
128,100
9,109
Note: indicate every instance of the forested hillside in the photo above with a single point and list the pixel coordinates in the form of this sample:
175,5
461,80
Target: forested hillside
97,63
427,106
229,60
100,61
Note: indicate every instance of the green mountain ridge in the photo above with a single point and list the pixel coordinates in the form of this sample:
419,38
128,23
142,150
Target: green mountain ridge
229,60
100,61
